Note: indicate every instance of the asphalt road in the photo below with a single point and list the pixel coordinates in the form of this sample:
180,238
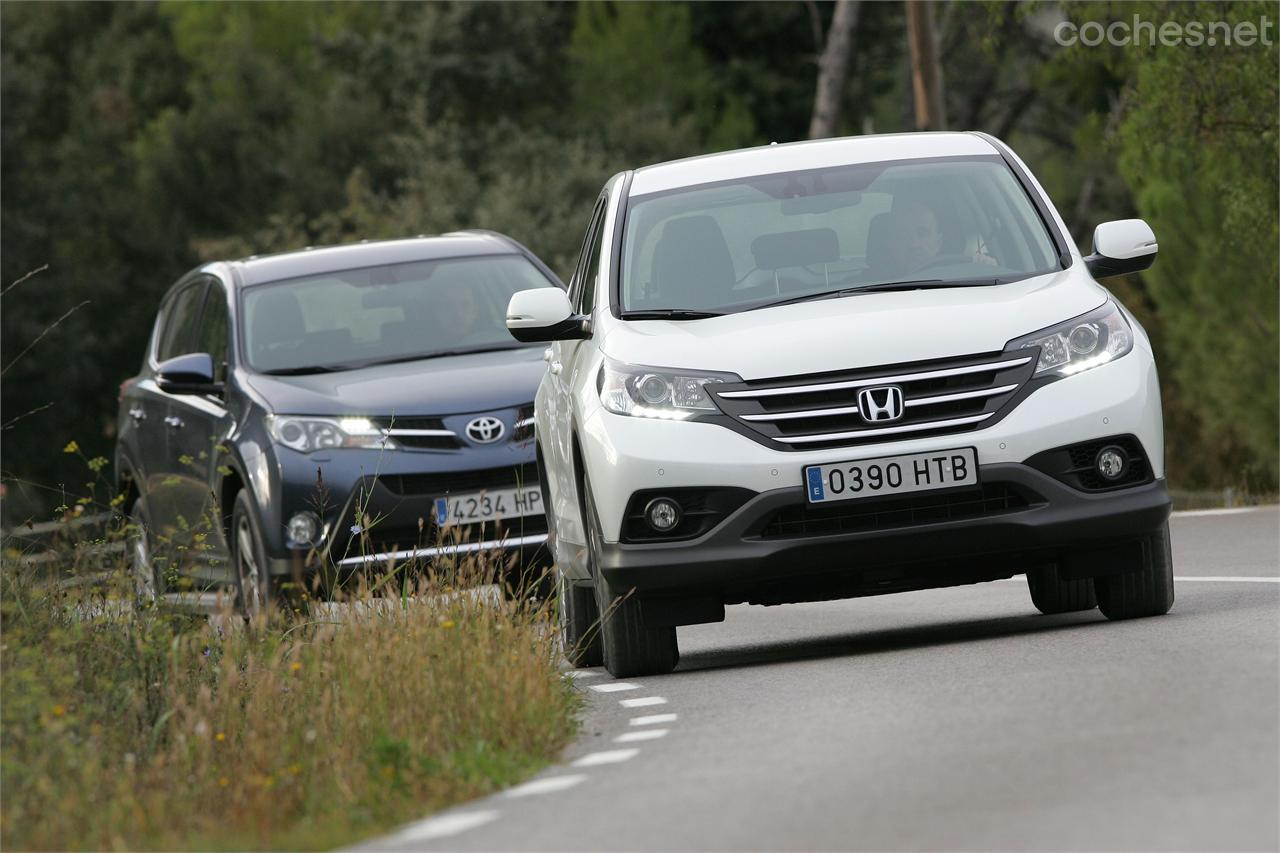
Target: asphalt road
956,719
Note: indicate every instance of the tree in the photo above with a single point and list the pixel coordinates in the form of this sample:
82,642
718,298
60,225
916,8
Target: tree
926,73
833,66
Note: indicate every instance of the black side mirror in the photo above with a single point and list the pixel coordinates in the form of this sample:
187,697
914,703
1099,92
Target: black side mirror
188,374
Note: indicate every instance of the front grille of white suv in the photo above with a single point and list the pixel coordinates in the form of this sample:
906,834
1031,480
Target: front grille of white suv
822,409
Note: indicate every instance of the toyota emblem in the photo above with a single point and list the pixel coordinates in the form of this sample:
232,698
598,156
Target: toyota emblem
485,430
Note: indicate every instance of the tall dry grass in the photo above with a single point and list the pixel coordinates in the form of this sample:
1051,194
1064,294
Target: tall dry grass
128,727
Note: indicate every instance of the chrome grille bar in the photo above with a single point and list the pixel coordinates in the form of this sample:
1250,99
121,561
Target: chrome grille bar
962,395
875,380
439,432
864,433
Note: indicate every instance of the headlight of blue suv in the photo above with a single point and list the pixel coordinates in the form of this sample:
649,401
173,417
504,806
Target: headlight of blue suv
648,392
1090,340
308,434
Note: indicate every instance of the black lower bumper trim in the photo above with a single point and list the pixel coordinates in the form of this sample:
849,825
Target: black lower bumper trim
736,563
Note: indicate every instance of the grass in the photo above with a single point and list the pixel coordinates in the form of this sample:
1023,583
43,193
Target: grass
128,728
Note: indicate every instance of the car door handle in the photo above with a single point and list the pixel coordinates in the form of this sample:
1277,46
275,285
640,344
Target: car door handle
138,415
173,421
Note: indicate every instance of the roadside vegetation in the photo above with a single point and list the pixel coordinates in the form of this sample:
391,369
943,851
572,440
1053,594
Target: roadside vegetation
126,725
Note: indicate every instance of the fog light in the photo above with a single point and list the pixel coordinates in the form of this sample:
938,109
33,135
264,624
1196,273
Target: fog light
663,514
302,529
1111,462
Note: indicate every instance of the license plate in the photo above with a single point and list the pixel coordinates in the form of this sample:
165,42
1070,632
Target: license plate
489,505
891,475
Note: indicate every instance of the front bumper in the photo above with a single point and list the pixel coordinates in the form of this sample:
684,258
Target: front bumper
745,559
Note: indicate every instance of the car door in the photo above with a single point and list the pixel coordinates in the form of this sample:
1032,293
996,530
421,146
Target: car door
197,426
143,408
176,337
564,361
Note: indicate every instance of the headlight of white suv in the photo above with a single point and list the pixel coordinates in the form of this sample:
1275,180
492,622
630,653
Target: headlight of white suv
1090,340
649,392
308,434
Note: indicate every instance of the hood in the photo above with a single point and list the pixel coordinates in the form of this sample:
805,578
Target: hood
860,330
437,386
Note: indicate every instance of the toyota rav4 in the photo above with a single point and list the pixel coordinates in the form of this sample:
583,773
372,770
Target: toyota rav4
842,368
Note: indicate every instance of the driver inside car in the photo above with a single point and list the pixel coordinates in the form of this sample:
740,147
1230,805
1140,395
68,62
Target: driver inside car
915,240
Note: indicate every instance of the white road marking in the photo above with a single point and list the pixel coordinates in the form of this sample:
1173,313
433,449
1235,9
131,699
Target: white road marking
546,786
1206,578
579,673
1192,513
642,734
642,702
614,687
611,756
653,719
1228,579
442,827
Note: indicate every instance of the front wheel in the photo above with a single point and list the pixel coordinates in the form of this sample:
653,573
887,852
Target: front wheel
580,624
253,581
630,648
148,584
1146,591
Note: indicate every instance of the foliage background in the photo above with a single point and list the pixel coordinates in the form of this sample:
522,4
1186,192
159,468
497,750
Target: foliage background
140,139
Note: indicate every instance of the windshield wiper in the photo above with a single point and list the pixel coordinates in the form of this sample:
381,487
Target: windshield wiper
376,362
916,284
670,314
309,369
924,283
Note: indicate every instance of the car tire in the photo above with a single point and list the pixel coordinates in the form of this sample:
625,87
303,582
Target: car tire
580,624
1148,591
1051,594
629,647
148,583
253,579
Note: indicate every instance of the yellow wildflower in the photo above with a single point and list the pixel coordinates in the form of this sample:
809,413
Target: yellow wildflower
220,737
72,447
448,623
223,782
59,710
295,666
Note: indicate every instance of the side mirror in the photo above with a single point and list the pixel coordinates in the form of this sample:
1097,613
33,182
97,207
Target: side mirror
188,374
544,314
1122,247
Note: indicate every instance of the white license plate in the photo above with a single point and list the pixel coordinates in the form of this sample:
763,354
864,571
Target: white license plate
891,475
489,505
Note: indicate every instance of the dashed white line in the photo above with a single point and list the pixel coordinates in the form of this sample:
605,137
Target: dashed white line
641,734
580,673
642,702
653,719
1191,513
614,687
546,786
611,756
1227,579
442,827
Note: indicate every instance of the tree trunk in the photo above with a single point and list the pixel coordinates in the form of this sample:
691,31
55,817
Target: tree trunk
926,73
833,66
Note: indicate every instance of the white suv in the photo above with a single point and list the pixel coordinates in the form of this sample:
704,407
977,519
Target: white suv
842,368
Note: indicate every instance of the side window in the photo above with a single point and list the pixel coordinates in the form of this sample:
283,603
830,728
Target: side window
592,272
580,289
178,328
213,328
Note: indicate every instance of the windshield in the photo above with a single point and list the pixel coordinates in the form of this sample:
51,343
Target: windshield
746,243
398,312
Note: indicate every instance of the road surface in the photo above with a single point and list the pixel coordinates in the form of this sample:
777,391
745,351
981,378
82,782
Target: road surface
956,719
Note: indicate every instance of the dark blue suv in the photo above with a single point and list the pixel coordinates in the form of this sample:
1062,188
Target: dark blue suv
334,408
